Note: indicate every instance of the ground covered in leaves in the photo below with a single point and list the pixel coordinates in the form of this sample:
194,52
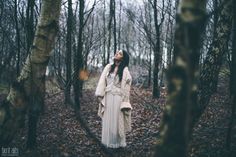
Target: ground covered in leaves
60,133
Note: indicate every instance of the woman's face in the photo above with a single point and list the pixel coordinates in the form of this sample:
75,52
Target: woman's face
118,55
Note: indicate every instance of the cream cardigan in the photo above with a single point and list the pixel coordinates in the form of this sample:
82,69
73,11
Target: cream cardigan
124,116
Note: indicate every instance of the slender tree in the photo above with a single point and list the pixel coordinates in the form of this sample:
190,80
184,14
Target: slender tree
114,24
109,30
30,24
157,49
17,38
69,51
119,29
104,34
232,82
78,62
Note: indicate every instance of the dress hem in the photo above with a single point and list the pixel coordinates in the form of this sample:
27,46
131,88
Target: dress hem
114,145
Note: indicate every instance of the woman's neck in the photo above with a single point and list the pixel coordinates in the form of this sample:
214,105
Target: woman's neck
116,69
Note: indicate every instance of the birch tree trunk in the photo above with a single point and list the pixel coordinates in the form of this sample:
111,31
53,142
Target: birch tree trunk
182,80
27,93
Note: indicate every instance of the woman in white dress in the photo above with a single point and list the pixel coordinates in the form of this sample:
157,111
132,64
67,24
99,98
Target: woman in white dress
113,92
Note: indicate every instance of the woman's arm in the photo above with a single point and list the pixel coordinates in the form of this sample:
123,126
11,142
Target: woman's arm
127,81
127,85
100,90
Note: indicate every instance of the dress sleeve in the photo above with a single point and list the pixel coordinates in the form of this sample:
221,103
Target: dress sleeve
127,86
100,90
125,104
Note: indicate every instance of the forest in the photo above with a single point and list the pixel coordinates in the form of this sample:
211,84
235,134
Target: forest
181,59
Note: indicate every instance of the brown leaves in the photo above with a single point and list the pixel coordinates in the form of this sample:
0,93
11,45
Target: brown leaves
60,134
83,75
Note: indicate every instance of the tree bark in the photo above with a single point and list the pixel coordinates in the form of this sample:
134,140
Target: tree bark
29,90
182,80
17,39
109,31
232,82
78,63
30,24
156,51
119,31
69,51
104,34
114,26
211,66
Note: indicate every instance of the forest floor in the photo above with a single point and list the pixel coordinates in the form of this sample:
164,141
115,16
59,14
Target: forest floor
60,134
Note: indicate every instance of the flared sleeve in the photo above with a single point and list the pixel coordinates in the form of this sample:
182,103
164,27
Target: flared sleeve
125,107
126,85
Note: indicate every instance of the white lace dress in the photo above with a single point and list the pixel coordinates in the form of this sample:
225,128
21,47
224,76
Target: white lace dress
110,120
114,108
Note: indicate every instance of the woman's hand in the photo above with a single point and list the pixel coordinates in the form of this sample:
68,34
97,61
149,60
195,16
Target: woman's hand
100,98
126,111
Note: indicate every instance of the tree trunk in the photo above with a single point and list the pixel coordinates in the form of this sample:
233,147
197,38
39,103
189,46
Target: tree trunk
109,31
182,81
169,37
59,57
213,61
17,39
28,92
150,45
150,66
232,82
69,51
104,34
156,50
114,26
30,24
119,31
78,63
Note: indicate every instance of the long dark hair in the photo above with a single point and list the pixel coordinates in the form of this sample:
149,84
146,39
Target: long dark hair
123,64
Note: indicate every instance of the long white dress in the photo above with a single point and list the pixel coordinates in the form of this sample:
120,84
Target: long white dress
110,120
115,121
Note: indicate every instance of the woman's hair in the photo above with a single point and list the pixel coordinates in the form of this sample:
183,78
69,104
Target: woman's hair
124,62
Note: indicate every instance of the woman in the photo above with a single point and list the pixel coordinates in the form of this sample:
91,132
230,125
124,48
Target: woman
113,92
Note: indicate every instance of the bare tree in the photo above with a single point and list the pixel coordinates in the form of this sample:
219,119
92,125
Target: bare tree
114,24
17,38
78,60
69,51
211,66
104,34
157,47
30,23
232,82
